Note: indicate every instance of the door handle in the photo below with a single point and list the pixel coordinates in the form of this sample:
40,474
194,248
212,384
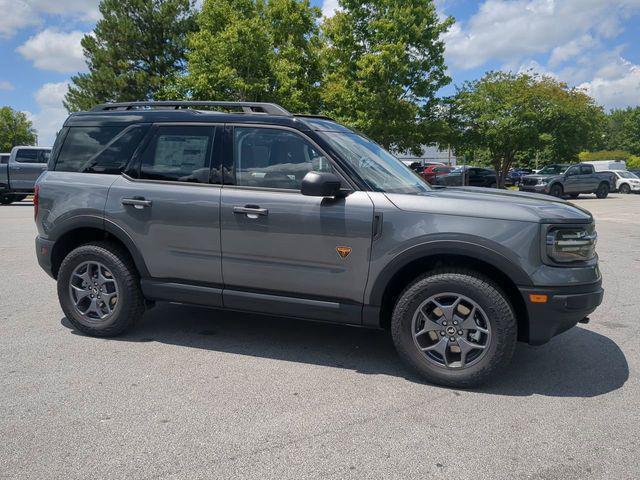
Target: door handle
251,210
136,202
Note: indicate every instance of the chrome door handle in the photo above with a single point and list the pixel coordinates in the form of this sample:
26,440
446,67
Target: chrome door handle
136,202
251,210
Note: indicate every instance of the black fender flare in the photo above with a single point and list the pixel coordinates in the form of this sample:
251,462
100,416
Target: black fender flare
483,250
100,223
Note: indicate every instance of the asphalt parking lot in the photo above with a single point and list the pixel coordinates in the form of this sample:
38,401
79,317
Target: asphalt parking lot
200,394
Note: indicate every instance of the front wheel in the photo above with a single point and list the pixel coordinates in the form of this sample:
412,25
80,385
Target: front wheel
602,191
99,290
454,327
556,190
625,188
6,199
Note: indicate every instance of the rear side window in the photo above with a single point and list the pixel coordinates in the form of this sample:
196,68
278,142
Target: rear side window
98,149
4,159
179,154
32,155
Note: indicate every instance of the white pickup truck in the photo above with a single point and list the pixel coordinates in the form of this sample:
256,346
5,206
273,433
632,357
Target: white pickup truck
19,171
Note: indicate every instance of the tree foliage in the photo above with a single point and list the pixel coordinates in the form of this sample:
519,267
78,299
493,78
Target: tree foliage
256,50
511,115
623,130
15,129
135,51
384,62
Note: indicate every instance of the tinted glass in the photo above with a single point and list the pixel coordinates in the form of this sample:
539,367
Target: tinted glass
4,159
553,170
586,169
32,156
115,156
273,158
179,154
82,144
573,171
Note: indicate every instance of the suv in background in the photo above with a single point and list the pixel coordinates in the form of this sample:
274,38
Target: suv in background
559,180
292,215
626,182
19,172
432,171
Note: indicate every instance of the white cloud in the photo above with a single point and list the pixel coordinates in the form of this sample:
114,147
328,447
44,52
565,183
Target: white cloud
6,85
18,14
52,114
329,7
55,51
513,30
615,85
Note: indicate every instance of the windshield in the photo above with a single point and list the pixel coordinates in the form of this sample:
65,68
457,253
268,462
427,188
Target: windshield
378,168
627,175
553,170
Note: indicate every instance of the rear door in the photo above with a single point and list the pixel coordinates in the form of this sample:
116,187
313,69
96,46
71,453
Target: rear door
169,205
26,167
283,252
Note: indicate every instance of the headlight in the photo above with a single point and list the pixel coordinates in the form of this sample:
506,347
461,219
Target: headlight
571,244
542,181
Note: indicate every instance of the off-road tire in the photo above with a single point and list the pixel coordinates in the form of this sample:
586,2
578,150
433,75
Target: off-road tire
131,304
6,199
484,292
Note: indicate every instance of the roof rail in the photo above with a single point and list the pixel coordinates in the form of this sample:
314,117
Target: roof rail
247,107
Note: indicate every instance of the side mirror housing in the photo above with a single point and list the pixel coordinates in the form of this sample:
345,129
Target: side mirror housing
321,184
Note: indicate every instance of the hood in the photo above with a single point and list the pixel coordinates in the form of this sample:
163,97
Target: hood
492,203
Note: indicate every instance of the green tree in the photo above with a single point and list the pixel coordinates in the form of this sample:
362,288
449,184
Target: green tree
511,116
15,129
135,51
384,62
623,130
256,50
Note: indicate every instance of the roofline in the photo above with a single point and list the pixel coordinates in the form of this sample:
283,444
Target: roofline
246,107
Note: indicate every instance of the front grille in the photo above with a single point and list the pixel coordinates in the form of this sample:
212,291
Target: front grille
529,181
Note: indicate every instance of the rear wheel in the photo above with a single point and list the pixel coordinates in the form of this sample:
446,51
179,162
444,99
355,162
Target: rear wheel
625,188
602,191
556,190
6,199
99,290
454,327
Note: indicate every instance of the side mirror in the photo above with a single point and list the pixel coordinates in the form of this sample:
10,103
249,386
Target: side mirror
321,184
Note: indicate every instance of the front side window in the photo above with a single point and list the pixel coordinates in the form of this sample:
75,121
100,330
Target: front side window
274,158
573,171
179,154
586,169
378,168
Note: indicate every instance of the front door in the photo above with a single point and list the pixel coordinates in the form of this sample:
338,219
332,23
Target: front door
573,180
171,210
283,252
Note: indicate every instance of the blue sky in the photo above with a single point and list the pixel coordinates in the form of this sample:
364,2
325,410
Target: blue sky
587,43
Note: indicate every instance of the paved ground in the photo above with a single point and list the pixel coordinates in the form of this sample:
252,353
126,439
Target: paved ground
197,394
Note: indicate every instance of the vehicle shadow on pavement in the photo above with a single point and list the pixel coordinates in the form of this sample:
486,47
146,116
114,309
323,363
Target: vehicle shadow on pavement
578,363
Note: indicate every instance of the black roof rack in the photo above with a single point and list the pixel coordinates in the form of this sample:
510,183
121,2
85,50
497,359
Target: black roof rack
247,107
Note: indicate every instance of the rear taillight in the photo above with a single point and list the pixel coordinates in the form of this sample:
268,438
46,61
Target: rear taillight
36,201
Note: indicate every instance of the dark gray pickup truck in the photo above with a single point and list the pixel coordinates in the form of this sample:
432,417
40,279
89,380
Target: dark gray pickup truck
561,180
19,171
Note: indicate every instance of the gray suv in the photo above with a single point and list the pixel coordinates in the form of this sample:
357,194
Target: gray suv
244,206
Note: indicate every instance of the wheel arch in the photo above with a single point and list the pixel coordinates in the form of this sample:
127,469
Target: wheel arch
403,270
88,229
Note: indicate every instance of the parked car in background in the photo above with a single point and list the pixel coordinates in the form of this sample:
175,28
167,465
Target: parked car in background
514,177
471,176
626,182
607,165
559,180
20,172
432,171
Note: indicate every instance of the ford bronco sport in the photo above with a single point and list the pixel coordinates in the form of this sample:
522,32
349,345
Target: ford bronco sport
259,210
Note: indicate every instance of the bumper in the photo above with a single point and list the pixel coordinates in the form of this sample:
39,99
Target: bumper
43,252
564,308
534,188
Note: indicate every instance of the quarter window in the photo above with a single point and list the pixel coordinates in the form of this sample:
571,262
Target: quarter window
179,154
274,158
